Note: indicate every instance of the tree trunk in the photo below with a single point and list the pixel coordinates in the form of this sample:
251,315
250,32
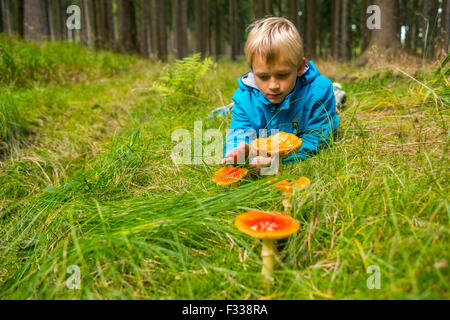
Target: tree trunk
425,25
18,9
217,27
384,43
127,26
205,27
344,31
101,24
311,29
1,18
36,25
292,11
260,9
110,23
445,24
175,27
162,29
414,27
159,33
143,41
60,19
6,16
156,50
200,31
386,37
268,8
364,31
184,27
179,27
335,29
87,31
434,29
52,23
234,30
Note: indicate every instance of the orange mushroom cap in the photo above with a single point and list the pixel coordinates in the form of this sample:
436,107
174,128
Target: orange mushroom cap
285,187
266,225
303,182
287,144
228,175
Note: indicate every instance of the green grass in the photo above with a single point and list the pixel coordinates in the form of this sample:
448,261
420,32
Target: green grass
92,184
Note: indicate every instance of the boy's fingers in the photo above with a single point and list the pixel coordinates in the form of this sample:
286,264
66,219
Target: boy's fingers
260,162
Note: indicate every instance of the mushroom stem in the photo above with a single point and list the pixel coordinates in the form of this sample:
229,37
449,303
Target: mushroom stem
233,185
267,253
277,163
287,203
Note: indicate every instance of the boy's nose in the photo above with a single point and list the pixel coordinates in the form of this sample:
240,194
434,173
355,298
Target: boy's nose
274,85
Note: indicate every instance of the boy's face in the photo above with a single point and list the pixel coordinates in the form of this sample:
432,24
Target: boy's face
277,79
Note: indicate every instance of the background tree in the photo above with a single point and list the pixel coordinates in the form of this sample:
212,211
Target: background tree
144,32
268,8
234,34
127,26
344,54
5,7
201,26
365,34
311,29
336,5
218,13
292,11
159,32
88,25
385,40
445,34
101,25
36,25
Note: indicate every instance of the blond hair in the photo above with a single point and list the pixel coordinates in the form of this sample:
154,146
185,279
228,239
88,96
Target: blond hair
270,37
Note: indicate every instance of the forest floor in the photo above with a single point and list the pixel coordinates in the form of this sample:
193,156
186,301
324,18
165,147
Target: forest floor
87,180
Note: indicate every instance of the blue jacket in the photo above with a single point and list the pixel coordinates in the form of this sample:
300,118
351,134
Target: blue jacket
309,112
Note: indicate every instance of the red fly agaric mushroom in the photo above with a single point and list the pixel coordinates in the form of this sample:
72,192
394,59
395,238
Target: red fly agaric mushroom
269,227
287,190
282,144
229,175
279,146
303,182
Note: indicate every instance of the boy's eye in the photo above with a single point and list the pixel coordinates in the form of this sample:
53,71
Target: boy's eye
283,75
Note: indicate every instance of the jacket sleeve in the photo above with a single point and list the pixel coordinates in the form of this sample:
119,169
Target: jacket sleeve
322,121
240,128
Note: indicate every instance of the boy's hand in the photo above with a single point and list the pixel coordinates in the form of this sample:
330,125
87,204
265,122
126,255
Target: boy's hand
240,152
260,162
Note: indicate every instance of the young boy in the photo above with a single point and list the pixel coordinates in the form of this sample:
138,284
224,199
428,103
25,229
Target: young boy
281,92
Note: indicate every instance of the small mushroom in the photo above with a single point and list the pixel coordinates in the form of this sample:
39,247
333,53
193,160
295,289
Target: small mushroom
303,182
269,227
229,175
278,146
287,190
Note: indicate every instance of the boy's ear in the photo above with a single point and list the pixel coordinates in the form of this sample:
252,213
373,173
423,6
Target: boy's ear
301,68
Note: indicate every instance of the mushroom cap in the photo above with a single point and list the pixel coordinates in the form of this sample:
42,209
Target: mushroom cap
266,225
285,187
228,175
303,182
287,143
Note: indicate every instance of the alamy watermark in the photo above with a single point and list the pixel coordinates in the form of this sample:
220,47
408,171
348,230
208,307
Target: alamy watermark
374,20
74,20
208,147
74,281
374,281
